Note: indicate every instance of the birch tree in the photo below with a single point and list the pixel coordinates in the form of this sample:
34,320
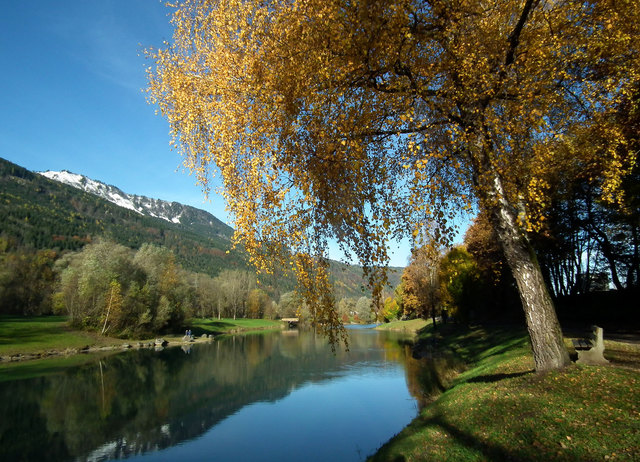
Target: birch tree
362,120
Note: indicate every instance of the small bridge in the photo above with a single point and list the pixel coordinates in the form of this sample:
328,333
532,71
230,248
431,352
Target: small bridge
293,322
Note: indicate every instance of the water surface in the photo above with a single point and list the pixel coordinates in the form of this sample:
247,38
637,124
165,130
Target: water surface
276,396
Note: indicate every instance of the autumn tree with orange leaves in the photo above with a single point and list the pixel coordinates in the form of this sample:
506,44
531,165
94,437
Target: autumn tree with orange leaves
362,120
421,282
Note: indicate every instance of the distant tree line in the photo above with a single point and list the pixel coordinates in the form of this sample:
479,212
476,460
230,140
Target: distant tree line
115,290
112,289
585,246
27,278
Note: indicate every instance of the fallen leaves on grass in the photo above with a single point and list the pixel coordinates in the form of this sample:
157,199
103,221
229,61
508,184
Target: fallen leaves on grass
578,413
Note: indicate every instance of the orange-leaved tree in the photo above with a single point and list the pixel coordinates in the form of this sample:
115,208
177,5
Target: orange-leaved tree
362,120
421,283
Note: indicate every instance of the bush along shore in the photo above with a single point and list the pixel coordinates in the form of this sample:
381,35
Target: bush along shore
499,409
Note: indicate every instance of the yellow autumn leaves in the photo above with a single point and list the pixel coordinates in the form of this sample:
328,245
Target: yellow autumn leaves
366,120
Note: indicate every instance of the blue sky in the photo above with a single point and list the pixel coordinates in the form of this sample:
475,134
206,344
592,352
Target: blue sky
71,94
71,97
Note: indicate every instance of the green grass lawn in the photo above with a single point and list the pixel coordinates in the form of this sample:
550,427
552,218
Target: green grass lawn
37,334
500,409
201,326
413,325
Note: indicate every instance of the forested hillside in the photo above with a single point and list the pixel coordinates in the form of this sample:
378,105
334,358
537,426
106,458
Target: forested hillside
44,214
174,212
41,214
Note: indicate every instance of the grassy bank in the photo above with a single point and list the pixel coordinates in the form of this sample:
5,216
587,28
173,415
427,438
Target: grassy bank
51,345
40,334
225,326
500,409
413,325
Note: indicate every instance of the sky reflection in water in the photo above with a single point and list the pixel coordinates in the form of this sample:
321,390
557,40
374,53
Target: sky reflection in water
277,396
346,418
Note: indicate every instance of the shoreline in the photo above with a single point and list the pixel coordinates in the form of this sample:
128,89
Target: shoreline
89,349
20,348
498,401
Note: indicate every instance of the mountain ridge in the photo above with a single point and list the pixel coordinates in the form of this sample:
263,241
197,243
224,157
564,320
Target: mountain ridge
173,212
42,213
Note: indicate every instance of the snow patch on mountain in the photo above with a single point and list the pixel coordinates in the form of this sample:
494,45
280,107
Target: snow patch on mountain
173,212
110,193
169,211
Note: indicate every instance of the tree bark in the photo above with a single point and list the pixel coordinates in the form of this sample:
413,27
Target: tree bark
544,329
104,327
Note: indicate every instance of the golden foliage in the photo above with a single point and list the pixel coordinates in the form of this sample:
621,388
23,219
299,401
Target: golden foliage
364,120
421,283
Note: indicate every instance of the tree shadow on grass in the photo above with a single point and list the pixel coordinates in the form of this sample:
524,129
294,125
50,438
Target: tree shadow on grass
211,327
492,452
474,344
32,335
488,451
497,377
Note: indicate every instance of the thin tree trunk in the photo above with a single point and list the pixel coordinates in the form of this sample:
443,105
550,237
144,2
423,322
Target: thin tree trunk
106,319
548,347
634,267
607,251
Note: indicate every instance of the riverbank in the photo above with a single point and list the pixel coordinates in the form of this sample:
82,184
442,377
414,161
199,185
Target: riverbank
33,338
412,325
500,409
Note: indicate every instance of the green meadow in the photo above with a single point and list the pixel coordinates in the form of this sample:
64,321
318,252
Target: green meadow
499,409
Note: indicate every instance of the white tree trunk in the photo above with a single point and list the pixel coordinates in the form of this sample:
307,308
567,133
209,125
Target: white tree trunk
544,329
106,318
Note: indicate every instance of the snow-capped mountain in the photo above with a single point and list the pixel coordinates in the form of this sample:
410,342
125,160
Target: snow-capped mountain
173,212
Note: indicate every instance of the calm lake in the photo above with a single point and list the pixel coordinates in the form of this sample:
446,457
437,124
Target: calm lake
264,397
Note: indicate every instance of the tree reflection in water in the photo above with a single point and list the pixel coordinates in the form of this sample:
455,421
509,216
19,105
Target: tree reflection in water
142,401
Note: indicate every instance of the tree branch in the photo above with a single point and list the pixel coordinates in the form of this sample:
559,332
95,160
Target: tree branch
404,131
514,37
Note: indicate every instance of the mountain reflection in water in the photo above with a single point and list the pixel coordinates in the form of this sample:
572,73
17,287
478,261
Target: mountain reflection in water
272,396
